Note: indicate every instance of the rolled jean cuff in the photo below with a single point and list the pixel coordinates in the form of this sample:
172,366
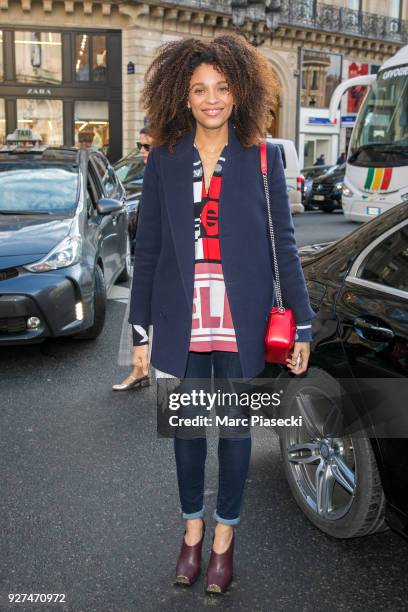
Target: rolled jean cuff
224,521
193,515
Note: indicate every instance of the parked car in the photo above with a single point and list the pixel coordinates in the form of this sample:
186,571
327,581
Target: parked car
294,178
63,242
355,483
327,188
130,170
310,173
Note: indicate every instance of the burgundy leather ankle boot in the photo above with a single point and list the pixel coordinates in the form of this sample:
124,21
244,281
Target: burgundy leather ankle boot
220,569
189,562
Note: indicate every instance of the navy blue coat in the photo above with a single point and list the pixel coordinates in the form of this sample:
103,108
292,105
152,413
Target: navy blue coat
163,278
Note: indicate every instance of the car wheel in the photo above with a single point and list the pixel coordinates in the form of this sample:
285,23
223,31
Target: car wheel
99,308
125,274
334,480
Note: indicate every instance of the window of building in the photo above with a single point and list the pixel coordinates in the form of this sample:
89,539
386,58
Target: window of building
87,45
99,58
1,56
321,73
92,125
2,122
82,57
309,155
307,9
44,117
387,263
38,57
394,9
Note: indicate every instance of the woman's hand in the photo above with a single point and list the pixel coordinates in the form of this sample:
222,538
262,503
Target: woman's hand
140,358
299,358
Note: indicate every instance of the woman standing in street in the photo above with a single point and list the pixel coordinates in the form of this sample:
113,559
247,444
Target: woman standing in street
129,336
203,266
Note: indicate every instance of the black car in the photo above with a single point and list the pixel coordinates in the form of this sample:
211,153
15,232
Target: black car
130,170
63,242
310,173
351,480
326,190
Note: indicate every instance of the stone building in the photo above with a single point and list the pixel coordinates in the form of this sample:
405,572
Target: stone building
73,69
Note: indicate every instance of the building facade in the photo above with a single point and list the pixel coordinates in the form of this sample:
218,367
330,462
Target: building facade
72,70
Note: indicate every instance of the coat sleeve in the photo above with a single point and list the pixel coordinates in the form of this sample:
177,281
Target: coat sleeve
293,285
147,248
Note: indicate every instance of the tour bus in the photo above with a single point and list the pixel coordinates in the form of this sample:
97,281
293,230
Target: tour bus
377,161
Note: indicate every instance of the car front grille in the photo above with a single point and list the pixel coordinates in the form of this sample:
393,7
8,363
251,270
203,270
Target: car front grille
12,325
323,188
9,273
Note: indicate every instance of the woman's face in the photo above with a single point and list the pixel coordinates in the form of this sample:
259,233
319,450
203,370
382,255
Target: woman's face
210,98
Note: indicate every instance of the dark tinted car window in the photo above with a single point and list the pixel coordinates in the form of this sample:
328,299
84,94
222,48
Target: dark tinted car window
106,174
38,187
131,171
387,264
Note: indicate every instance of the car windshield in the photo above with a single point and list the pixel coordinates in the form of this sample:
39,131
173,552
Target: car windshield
131,171
35,187
381,134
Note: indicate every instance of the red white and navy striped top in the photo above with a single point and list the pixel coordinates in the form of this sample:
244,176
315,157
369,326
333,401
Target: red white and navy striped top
212,325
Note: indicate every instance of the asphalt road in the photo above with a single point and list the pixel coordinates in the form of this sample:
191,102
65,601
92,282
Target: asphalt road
89,503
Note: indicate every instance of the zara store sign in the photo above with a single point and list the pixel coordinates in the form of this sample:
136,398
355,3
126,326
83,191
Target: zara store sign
38,91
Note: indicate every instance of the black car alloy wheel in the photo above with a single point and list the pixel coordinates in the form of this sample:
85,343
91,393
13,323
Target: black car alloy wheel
333,478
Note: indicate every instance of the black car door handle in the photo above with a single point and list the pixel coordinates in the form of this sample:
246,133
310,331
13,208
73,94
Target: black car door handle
373,329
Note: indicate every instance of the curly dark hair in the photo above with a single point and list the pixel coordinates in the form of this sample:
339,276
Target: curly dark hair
248,73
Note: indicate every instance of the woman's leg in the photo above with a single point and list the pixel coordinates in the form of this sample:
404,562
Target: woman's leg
191,454
131,380
234,453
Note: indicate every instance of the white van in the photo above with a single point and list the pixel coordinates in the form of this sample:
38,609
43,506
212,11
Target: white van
294,178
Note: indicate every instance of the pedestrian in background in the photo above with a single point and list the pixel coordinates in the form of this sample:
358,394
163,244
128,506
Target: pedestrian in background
320,161
144,143
202,266
131,335
341,159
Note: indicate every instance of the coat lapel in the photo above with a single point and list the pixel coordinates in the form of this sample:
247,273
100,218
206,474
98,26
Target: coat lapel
177,171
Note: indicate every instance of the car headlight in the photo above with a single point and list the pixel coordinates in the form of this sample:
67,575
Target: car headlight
347,191
66,253
338,186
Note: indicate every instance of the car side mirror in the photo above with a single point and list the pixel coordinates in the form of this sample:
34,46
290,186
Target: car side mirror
108,205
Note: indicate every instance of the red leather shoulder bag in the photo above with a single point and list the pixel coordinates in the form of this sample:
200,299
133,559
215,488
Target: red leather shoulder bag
281,328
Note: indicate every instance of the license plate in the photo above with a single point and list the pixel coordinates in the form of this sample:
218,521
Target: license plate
318,197
373,210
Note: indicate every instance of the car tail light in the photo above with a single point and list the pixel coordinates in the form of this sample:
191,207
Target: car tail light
300,183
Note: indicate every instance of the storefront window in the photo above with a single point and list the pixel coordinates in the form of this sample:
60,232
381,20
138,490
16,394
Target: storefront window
38,57
2,122
44,117
92,125
82,57
1,56
85,45
99,58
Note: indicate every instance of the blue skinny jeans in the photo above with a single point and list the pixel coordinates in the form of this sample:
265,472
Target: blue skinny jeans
233,452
